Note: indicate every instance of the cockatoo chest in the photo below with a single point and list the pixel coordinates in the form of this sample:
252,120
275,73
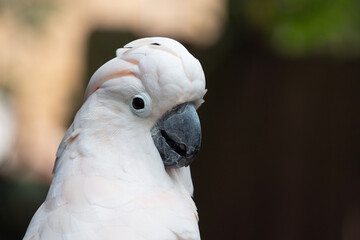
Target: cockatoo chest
103,207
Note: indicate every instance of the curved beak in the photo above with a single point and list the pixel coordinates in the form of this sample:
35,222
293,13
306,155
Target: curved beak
177,136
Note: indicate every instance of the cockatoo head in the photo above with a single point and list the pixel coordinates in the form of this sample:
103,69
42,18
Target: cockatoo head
157,85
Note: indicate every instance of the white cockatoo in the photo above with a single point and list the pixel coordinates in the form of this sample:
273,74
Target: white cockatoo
122,169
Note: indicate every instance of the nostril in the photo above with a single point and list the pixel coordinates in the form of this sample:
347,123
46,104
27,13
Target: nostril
182,147
179,148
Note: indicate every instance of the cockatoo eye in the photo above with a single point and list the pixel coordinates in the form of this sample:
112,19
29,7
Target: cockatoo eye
138,103
141,105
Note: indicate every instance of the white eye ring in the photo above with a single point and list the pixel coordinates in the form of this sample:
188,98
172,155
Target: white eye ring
141,105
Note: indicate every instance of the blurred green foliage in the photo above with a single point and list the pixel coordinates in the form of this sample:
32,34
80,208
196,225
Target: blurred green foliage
296,28
302,28
32,13
19,200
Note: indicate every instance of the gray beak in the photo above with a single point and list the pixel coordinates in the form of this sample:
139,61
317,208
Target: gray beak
177,136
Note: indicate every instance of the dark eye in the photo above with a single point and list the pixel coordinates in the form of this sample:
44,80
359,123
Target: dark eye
138,103
141,105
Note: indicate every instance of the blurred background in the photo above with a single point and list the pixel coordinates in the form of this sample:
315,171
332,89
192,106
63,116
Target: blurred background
280,157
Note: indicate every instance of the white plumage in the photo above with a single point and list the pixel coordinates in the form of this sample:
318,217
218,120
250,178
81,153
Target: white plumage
109,178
